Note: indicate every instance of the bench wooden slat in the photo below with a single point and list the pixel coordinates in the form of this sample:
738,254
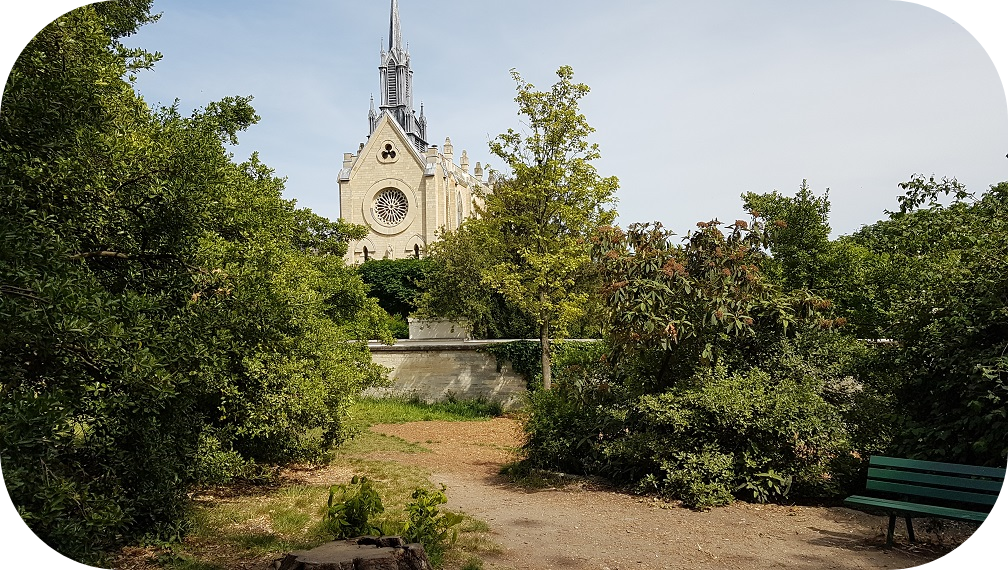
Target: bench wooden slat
932,492
922,486
903,508
938,467
935,480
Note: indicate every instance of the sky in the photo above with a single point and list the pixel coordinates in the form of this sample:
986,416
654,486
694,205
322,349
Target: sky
694,102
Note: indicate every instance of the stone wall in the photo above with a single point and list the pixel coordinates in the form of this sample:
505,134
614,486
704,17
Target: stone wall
433,369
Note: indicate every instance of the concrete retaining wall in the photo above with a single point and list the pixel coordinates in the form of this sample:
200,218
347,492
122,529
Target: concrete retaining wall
433,369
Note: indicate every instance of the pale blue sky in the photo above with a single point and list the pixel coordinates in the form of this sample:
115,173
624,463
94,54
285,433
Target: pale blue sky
694,102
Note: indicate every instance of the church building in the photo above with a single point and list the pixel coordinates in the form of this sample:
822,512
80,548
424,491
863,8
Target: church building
397,185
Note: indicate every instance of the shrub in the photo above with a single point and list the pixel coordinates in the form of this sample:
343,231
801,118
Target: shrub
703,441
700,479
428,525
760,422
351,507
567,426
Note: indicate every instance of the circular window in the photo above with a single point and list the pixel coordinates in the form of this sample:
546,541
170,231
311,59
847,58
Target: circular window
391,207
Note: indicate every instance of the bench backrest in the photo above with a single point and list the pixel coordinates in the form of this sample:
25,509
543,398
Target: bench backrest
931,482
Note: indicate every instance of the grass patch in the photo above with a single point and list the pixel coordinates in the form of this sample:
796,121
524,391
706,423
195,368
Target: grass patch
244,525
366,441
473,543
370,411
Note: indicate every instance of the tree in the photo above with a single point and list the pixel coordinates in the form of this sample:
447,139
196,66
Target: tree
804,257
942,288
797,234
540,215
691,307
455,285
395,282
162,308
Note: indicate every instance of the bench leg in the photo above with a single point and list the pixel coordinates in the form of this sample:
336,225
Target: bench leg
910,532
892,529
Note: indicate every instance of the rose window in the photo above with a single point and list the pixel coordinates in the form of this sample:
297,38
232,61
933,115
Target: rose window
391,206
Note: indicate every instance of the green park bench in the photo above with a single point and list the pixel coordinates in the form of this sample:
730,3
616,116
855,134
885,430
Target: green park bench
911,488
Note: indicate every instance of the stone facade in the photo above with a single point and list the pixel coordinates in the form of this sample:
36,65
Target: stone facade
431,370
430,329
401,189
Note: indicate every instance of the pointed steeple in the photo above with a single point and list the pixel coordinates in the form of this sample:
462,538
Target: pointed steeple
397,85
372,116
395,30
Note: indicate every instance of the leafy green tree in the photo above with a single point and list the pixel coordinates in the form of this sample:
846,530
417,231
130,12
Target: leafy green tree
929,281
804,257
540,215
455,286
943,288
797,231
692,305
395,282
162,308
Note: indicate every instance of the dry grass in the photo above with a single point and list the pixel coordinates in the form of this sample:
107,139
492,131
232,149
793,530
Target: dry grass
247,526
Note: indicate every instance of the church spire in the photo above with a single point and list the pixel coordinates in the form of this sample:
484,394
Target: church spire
395,30
397,85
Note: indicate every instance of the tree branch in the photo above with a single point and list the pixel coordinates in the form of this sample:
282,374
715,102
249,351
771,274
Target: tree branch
21,292
90,254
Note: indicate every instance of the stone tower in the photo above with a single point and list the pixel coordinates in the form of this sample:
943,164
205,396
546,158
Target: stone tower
396,80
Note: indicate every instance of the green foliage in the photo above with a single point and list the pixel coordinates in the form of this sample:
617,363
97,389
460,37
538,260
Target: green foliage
766,486
705,438
212,464
944,305
804,258
525,255
351,508
398,326
454,286
525,357
701,480
395,282
681,309
166,314
567,427
797,235
760,423
428,525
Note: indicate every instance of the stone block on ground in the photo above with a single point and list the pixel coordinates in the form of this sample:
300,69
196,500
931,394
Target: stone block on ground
365,553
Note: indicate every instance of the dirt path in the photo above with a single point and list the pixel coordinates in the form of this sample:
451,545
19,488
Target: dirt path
579,527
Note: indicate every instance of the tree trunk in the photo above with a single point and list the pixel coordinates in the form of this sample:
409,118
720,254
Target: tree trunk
544,342
664,368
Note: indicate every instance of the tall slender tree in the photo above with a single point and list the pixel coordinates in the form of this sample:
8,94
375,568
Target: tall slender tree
545,206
